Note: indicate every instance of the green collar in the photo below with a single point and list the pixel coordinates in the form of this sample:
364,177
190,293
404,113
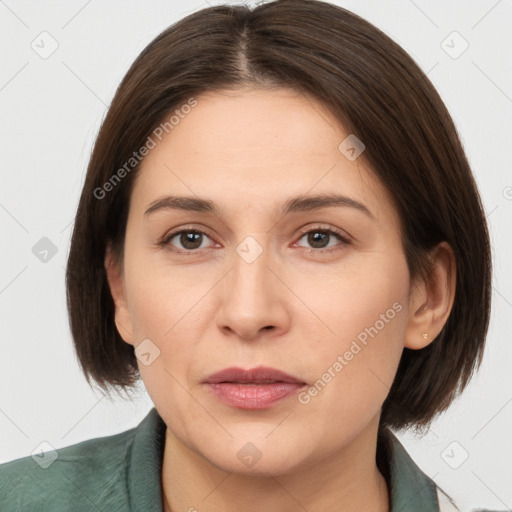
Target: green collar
409,487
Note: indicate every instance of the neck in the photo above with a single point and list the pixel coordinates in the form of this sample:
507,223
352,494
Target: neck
345,480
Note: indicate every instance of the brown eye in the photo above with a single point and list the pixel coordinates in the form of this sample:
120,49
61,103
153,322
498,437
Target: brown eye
318,239
321,238
189,239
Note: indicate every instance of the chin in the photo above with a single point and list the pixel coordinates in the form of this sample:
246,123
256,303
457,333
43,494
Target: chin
253,457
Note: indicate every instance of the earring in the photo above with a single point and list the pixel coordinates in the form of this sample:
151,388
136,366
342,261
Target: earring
425,335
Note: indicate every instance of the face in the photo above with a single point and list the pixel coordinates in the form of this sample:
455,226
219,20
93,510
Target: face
320,292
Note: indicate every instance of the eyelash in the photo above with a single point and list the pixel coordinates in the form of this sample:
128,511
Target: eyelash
166,241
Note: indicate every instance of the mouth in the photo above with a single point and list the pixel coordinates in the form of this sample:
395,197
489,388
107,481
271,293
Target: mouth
257,388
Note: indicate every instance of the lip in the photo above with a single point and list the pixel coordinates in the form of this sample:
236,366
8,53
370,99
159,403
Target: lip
256,388
260,374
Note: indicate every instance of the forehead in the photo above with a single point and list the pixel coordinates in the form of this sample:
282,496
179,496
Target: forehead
249,123
255,146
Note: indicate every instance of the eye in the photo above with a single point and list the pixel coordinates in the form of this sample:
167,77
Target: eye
319,238
190,240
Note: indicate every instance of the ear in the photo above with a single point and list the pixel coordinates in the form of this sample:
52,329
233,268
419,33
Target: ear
115,279
431,301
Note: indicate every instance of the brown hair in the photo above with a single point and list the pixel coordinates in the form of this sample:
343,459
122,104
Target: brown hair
377,92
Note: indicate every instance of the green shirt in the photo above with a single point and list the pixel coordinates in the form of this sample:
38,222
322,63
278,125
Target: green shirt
122,473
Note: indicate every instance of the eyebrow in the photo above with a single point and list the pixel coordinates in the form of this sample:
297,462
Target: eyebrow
292,205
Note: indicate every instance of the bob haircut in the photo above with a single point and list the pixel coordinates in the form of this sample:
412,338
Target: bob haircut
377,92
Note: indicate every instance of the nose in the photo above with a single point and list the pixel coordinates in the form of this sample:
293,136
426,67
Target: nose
254,299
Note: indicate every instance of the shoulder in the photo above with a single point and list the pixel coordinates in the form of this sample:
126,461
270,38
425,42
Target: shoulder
85,474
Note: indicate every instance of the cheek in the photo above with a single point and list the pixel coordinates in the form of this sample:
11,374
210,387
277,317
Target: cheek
168,305
364,299
364,316
162,299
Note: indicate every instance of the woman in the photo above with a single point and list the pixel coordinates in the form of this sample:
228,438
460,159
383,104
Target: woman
280,233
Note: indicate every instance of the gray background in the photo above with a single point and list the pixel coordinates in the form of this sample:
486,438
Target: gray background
51,107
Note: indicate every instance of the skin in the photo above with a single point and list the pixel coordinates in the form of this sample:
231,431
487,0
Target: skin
297,311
